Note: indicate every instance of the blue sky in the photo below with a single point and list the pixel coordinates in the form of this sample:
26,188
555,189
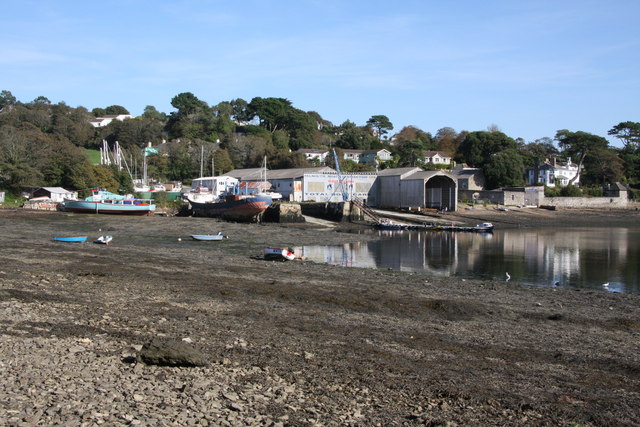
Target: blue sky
529,67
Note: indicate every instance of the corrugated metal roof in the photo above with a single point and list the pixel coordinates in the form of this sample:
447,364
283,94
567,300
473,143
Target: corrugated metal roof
426,175
296,173
397,171
56,190
256,173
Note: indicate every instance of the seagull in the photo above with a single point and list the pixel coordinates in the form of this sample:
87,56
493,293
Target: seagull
508,277
605,285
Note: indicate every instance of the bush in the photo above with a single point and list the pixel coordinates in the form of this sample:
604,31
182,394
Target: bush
593,192
551,191
12,200
570,191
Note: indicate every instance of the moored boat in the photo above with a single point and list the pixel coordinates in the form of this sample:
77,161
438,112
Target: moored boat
72,239
484,227
208,237
235,207
103,240
279,254
105,202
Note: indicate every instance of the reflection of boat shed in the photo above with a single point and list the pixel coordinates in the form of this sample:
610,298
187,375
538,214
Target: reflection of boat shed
413,187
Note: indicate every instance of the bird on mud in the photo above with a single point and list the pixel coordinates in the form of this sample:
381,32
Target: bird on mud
508,276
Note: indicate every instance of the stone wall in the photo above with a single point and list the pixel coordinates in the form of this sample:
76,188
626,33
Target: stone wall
283,213
586,202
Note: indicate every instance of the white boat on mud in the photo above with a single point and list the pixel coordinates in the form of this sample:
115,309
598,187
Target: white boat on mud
279,254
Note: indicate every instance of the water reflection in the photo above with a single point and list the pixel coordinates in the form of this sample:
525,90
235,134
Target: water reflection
577,257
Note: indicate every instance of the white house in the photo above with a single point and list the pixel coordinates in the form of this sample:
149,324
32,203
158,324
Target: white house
353,155
553,172
314,154
372,156
99,122
437,158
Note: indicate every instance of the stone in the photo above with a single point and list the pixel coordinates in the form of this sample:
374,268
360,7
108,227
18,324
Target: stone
170,352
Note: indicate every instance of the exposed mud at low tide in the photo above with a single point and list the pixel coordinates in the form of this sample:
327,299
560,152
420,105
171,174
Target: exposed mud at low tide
291,343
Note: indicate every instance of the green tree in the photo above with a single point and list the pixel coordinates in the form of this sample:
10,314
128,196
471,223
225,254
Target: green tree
73,124
412,133
7,99
477,147
99,112
115,110
579,144
628,133
151,113
504,169
272,112
133,134
222,161
180,165
42,100
193,119
18,158
301,128
239,110
381,124
411,153
351,136
602,167
535,153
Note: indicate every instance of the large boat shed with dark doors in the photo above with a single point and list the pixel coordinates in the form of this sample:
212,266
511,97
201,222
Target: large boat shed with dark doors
413,187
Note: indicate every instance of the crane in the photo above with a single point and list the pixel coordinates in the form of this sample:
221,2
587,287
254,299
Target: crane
345,196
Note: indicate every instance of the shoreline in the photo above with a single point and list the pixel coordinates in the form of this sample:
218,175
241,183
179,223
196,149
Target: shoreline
295,343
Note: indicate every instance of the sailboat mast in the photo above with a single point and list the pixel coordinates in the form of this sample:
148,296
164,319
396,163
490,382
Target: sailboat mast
201,160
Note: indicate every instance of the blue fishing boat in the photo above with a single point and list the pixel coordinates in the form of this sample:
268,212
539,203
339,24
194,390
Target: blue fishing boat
74,239
105,202
208,237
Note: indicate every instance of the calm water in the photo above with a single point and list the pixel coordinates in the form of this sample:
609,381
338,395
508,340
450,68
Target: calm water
572,258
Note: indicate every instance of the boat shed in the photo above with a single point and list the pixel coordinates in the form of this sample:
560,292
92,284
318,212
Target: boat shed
315,184
56,194
413,187
287,182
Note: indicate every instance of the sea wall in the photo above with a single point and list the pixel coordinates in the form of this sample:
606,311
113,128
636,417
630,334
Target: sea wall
283,213
325,210
40,205
586,202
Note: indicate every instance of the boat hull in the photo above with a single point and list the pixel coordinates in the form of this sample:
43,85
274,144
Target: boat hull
75,239
83,206
278,254
244,209
207,238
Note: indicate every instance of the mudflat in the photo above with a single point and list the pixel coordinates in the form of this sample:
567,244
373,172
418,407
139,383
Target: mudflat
296,343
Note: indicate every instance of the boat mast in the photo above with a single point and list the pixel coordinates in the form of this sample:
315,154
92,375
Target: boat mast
201,160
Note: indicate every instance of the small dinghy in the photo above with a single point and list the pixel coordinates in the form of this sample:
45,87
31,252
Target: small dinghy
103,240
279,254
208,237
74,239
